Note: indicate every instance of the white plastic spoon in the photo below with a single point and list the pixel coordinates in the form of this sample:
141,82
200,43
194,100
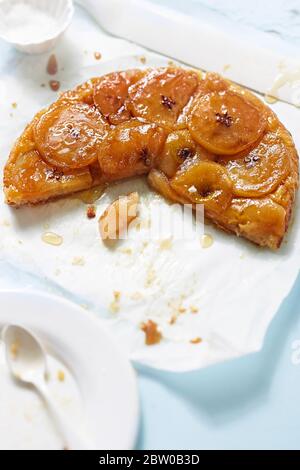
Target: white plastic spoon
26,359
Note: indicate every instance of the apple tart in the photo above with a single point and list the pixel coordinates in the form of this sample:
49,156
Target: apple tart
200,139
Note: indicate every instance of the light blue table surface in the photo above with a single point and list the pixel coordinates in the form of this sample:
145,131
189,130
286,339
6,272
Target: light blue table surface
249,403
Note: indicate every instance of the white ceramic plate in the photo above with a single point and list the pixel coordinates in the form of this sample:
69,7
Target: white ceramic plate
106,381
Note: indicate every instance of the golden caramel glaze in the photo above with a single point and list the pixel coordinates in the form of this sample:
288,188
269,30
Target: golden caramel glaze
179,147
110,94
204,182
68,135
262,169
131,148
161,95
225,123
159,181
200,138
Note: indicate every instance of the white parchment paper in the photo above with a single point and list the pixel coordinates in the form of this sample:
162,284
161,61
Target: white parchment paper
226,295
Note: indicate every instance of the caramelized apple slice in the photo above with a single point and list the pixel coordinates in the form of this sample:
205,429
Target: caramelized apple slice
161,95
160,183
68,135
180,147
130,149
262,170
204,183
28,179
110,94
225,123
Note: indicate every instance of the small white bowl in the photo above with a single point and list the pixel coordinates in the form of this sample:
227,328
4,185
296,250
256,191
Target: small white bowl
34,34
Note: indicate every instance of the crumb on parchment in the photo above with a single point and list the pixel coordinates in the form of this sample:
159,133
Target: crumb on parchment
78,261
61,375
117,295
114,306
136,296
54,85
152,333
196,340
150,276
145,244
226,67
177,308
173,319
126,251
165,244
91,212
194,309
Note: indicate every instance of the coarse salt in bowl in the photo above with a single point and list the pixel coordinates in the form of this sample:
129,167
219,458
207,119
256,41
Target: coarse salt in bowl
34,26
